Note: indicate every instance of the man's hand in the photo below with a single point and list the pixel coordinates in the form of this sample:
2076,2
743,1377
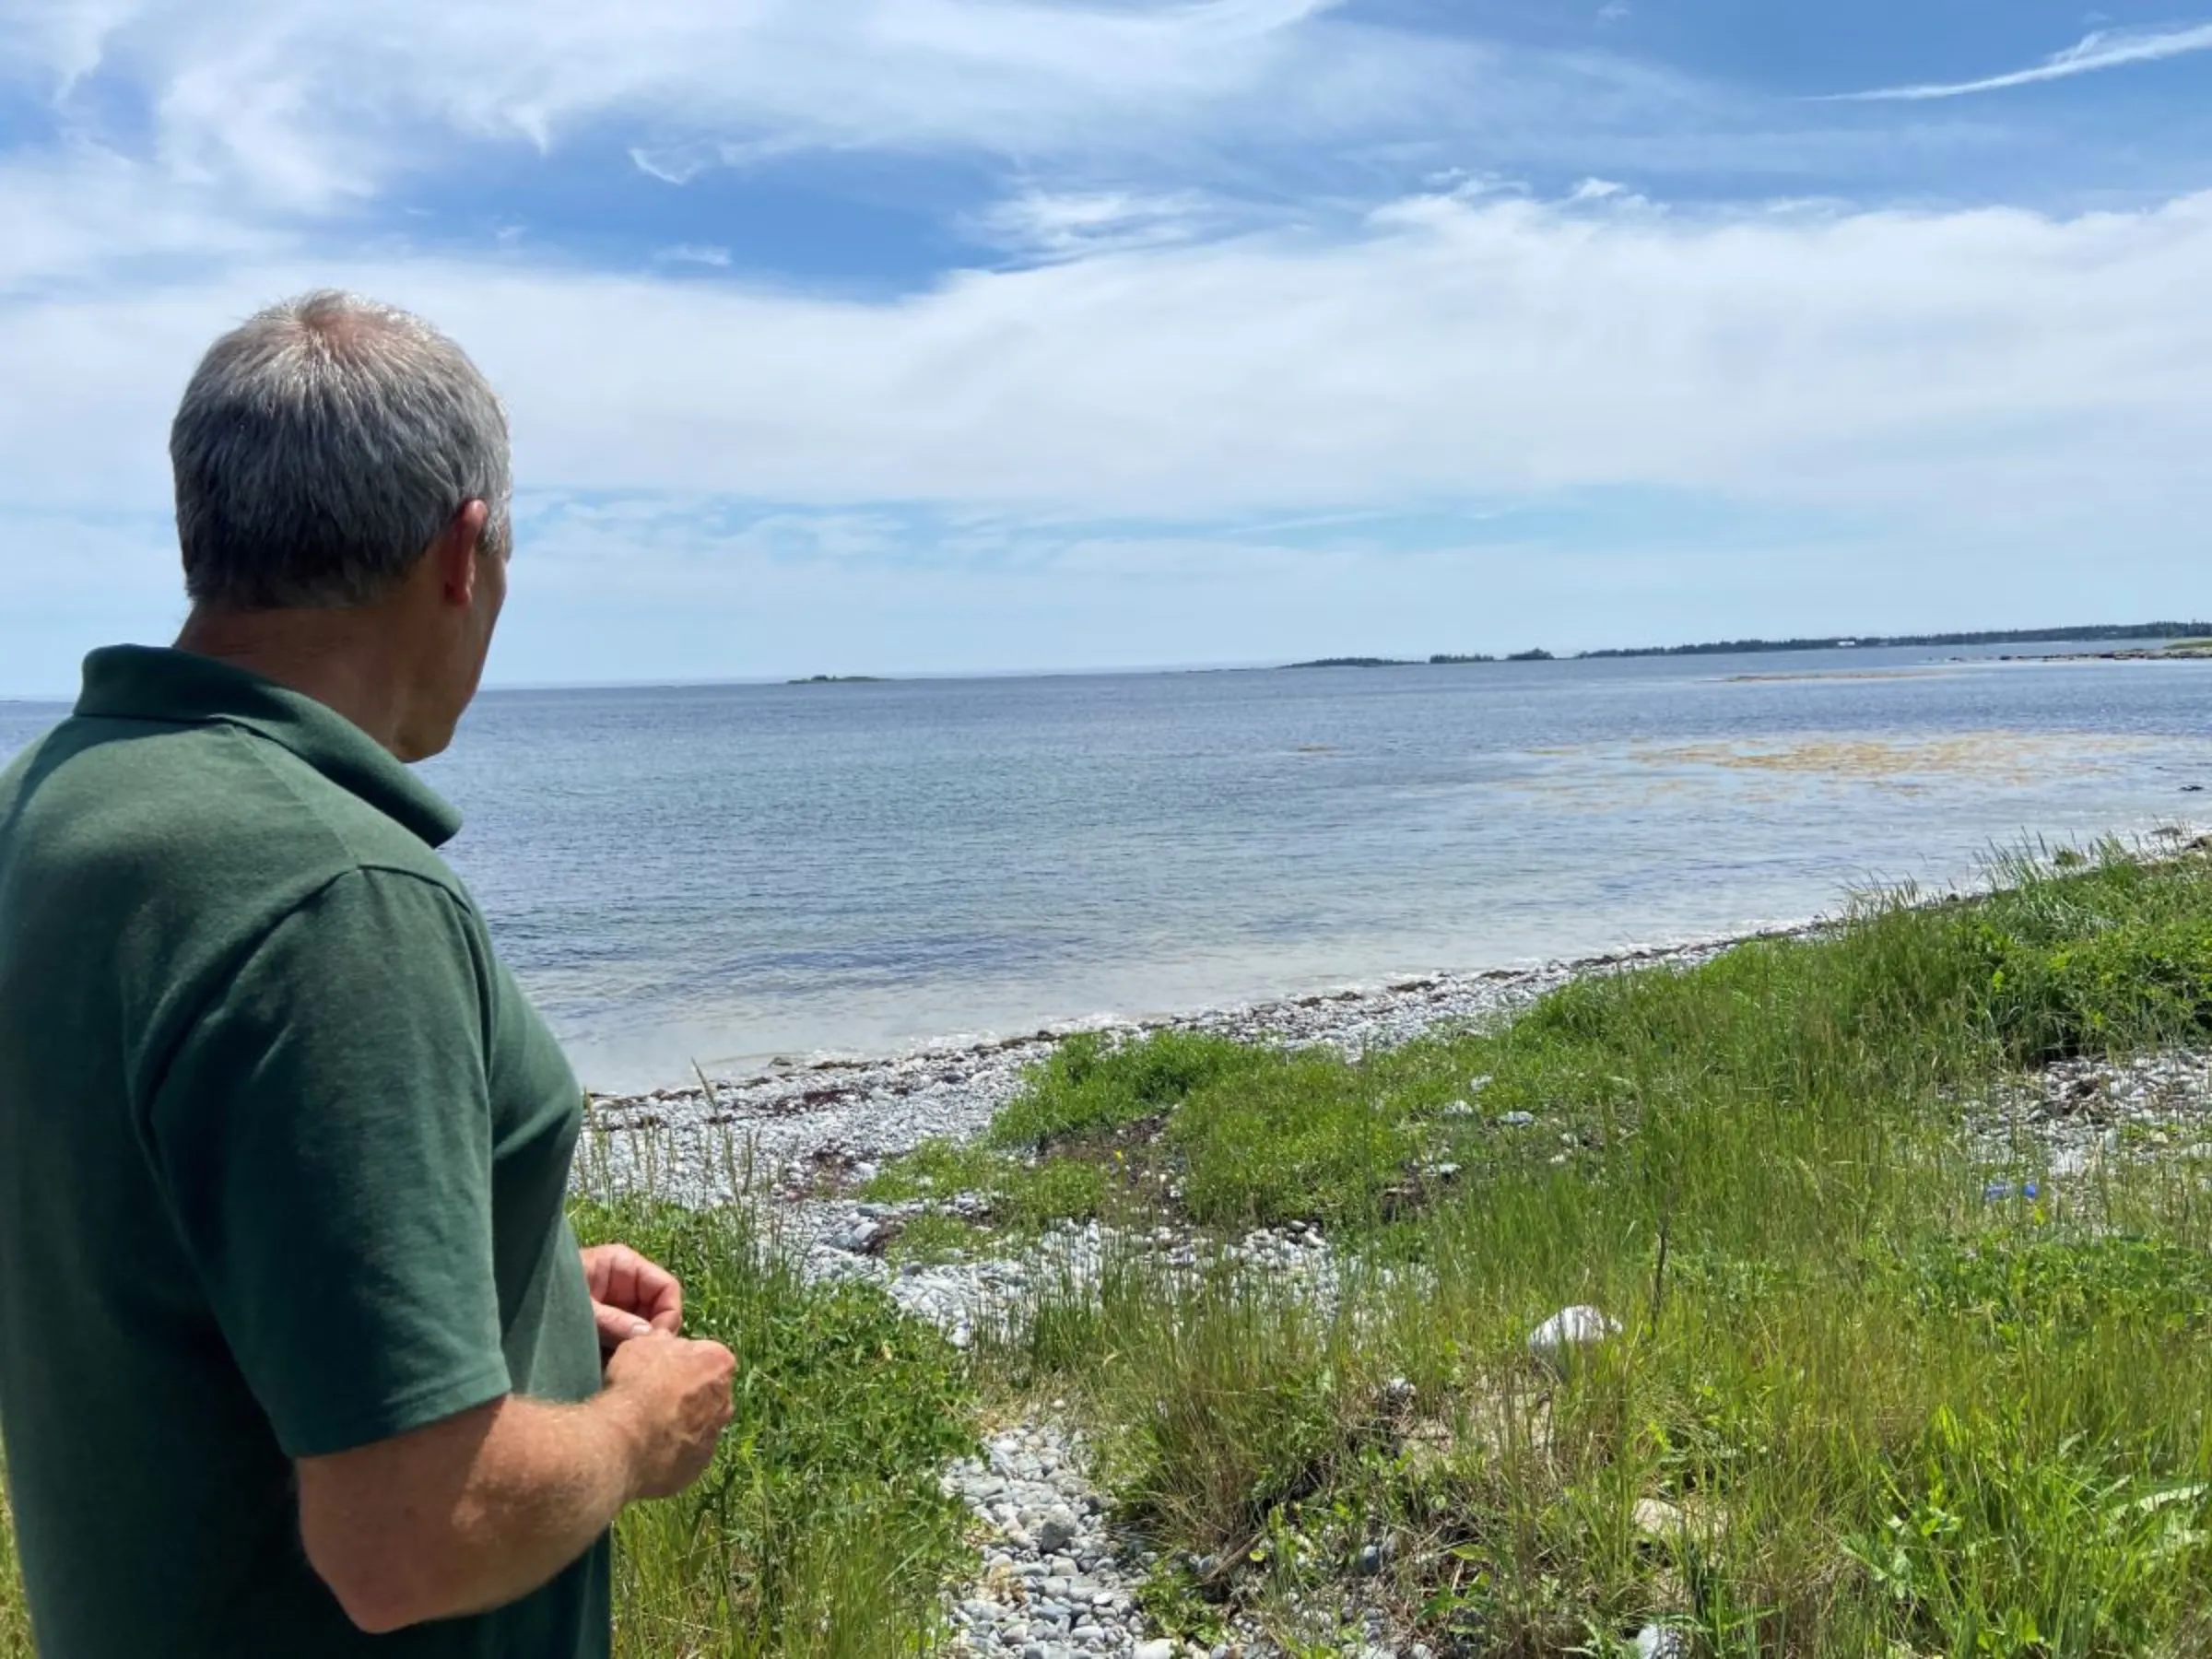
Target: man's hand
680,1395
630,1295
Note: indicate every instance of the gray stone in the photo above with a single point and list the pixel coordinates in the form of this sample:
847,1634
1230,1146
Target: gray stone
1155,1650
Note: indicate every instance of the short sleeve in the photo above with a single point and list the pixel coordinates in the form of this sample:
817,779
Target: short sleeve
324,1133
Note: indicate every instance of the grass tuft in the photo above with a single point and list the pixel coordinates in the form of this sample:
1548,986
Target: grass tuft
823,1527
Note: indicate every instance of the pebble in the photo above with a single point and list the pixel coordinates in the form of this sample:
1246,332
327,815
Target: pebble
1031,1493
2076,1117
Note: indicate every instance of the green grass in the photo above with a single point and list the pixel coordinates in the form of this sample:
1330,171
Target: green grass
1023,1194
1898,1418
1091,1085
15,1614
822,1528
929,1238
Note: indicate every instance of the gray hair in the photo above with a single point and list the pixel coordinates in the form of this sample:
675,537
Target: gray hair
322,446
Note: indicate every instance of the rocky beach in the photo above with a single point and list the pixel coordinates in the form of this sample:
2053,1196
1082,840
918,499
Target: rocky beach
1058,1577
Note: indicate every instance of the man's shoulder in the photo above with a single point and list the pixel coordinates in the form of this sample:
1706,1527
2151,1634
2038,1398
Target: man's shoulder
213,806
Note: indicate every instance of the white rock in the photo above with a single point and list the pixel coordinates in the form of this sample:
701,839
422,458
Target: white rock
1660,1641
1155,1650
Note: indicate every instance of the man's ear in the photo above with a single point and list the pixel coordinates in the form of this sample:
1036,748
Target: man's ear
453,554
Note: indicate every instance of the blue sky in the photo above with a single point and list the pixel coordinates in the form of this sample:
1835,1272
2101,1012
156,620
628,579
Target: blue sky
951,335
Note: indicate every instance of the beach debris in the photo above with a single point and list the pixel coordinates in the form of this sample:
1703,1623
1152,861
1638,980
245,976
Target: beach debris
1568,1331
1998,1192
1661,1642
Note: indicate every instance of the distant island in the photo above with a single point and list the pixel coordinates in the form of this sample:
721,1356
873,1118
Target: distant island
1439,659
2086,634
839,680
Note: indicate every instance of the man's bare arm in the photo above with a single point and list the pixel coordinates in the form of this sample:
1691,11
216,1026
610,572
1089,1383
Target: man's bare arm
476,1510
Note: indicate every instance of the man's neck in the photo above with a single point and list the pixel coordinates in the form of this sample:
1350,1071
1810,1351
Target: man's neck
334,656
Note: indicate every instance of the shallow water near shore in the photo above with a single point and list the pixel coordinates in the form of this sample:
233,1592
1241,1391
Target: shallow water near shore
728,874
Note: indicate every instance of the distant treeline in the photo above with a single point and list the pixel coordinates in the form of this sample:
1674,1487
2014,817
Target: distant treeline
2086,634
2013,636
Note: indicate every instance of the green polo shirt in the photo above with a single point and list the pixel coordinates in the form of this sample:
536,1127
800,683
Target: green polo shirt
283,1152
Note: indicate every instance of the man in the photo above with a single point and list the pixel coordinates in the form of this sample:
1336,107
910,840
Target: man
297,1355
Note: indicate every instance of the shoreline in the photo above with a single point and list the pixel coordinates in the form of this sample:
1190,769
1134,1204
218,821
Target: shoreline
802,1120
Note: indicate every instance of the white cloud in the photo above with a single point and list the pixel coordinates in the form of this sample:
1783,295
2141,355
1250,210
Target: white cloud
75,212
1972,368
2106,49
1068,224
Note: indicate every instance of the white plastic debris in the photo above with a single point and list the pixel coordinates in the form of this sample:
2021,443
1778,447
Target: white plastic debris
1568,1329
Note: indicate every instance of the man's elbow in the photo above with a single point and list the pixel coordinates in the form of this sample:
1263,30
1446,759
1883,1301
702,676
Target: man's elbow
377,1585
394,1529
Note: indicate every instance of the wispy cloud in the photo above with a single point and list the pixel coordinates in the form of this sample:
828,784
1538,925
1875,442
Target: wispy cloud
307,106
2107,49
1072,224
694,253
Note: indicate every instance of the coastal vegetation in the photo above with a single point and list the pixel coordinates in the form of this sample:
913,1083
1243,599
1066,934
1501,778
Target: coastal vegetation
2187,640
15,1617
2083,633
1872,1370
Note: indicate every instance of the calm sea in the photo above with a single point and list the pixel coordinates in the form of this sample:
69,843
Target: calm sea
730,873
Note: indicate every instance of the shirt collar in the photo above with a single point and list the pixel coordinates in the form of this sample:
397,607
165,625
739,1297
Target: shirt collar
181,688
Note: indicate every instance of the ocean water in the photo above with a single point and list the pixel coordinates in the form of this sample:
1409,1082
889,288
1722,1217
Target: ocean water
726,874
